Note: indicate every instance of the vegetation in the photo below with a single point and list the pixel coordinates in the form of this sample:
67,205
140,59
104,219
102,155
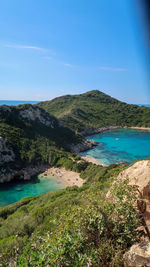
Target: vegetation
72,227
76,226
95,109
32,141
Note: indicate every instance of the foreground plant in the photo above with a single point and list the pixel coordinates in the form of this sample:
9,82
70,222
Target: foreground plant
95,234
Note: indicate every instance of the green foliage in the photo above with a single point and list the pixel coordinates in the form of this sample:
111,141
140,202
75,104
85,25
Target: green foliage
74,226
95,109
34,142
85,235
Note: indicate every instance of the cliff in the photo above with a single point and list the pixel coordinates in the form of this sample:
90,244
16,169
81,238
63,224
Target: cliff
29,136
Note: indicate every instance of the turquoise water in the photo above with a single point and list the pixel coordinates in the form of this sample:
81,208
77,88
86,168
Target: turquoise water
12,192
124,145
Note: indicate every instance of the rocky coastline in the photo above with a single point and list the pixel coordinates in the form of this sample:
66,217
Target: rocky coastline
26,173
7,156
100,130
23,174
84,146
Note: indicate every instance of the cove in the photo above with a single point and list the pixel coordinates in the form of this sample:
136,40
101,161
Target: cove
14,191
121,145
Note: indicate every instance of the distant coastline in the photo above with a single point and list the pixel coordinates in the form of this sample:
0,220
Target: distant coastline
21,102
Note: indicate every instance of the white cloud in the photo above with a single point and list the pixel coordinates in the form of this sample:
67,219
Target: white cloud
24,47
112,69
68,65
27,47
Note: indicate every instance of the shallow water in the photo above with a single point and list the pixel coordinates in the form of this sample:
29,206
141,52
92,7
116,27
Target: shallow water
121,145
14,191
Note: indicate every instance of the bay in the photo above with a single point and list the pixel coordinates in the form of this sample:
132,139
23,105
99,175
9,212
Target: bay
121,145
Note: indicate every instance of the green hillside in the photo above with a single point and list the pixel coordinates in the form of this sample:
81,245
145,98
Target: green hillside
29,135
95,109
72,227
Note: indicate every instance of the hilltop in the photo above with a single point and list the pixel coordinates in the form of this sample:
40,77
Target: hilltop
29,136
95,109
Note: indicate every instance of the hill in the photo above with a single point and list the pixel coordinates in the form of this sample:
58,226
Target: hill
95,109
74,226
29,136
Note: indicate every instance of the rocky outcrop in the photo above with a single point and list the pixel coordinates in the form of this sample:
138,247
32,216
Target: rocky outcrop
138,255
139,175
32,113
23,174
100,130
84,146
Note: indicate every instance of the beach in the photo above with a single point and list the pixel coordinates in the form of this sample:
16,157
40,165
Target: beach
93,160
140,128
70,178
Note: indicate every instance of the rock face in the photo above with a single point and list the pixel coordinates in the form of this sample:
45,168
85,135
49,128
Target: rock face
84,146
6,154
138,255
23,174
139,175
33,114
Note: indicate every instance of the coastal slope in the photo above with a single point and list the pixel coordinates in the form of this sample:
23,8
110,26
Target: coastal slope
74,225
94,109
30,138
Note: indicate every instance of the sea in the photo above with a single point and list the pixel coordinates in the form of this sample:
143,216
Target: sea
14,191
20,102
120,146
116,146
16,102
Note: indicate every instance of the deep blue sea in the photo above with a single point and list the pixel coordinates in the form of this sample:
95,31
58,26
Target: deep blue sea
16,102
122,145
146,105
20,102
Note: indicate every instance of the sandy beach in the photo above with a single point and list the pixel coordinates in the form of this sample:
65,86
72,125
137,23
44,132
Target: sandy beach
70,178
93,160
140,128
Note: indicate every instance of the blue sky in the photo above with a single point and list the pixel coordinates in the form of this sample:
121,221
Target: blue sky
55,47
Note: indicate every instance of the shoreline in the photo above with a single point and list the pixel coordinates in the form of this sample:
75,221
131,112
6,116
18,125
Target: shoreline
140,128
100,130
104,129
92,160
70,178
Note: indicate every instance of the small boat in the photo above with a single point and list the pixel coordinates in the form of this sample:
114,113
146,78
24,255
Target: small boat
19,189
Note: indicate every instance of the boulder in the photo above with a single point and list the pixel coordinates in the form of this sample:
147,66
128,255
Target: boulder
138,255
139,175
